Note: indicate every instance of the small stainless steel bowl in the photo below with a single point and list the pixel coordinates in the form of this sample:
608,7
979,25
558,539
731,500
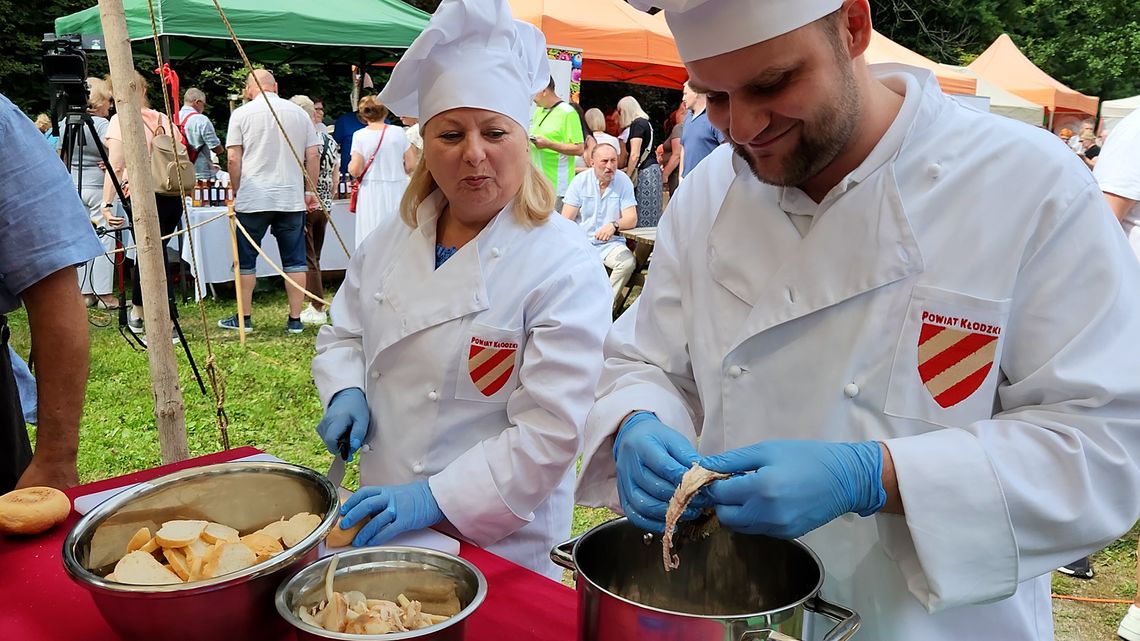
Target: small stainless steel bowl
245,496
384,573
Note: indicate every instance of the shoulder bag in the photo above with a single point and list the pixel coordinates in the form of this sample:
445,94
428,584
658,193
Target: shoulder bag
170,165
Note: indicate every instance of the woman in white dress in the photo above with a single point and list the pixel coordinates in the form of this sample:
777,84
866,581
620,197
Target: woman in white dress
382,158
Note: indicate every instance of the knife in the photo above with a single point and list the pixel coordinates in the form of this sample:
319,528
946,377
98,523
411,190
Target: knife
336,470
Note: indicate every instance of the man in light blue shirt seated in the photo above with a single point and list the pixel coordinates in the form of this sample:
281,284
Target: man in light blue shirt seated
601,201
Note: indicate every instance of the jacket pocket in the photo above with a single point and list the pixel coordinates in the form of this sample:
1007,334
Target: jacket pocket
948,358
490,362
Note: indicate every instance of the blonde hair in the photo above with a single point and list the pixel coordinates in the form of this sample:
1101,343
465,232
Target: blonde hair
372,109
628,111
304,102
595,120
43,122
99,93
532,205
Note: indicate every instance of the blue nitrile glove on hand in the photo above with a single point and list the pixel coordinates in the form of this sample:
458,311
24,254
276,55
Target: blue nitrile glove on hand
651,459
347,413
394,509
797,486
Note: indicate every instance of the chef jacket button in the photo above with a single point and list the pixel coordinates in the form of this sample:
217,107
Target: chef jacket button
904,255
851,390
934,169
378,297
791,295
375,375
418,469
495,253
735,371
433,395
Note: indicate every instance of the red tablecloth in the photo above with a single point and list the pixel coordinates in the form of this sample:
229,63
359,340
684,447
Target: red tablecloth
39,602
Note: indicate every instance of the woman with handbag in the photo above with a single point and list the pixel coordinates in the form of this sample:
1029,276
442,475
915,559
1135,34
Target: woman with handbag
382,158
169,207
641,165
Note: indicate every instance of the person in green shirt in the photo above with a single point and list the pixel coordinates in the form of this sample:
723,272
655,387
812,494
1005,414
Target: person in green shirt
556,137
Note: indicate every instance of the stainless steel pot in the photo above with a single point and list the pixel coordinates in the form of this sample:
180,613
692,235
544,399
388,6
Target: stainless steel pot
245,496
384,573
730,587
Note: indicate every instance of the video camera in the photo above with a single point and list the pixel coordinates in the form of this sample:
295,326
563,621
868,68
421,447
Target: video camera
65,65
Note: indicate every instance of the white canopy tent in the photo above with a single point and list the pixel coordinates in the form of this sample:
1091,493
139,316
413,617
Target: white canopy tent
1113,111
1005,103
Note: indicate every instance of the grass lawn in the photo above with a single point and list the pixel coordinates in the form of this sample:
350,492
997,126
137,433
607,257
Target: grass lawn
272,405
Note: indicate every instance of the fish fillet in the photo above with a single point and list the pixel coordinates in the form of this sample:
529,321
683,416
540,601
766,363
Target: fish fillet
691,483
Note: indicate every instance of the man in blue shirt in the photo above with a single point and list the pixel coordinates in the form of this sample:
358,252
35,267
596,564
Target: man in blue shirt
200,133
602,202
698,136
44,234
343,128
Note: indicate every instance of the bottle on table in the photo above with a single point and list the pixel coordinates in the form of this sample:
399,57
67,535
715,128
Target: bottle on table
196,198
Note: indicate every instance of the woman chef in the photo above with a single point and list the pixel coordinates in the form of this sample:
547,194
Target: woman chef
466,340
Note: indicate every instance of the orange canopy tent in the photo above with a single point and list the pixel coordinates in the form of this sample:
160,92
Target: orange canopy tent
1004,65
618,43
883,49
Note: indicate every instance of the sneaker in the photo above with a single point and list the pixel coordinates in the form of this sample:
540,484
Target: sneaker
232,323
1130,625
310,316
1080,569
294,326
135,325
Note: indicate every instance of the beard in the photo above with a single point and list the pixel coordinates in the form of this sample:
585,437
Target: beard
822,138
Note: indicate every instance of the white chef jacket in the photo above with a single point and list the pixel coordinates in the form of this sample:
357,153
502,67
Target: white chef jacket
478,375
747,332
1117,171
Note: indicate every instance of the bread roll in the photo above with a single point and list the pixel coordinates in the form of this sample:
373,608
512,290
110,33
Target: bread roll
32,510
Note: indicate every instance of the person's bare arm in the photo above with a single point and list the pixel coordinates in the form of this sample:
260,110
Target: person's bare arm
233,164
628,218
1119,205
410,159
894,504
118,164
60,344
634,156
356,165
570,212
564,148
674,159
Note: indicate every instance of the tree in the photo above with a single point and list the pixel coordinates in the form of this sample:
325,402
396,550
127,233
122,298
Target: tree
1092,46
24,25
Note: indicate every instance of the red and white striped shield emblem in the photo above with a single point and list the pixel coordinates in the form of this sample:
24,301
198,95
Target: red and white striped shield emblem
490,364
954,356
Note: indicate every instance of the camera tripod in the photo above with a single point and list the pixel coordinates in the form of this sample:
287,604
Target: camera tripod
73,141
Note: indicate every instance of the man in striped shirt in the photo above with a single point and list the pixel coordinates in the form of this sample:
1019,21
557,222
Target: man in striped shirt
556,138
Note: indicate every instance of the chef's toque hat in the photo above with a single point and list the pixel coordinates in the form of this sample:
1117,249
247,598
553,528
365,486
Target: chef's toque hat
472,54
706,28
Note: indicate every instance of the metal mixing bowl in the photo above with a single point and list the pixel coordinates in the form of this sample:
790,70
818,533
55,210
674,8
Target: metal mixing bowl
384,573
245,496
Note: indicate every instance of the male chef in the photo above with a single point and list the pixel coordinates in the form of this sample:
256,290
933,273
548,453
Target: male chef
911,346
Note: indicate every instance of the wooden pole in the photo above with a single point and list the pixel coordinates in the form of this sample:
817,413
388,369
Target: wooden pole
237,276
151,255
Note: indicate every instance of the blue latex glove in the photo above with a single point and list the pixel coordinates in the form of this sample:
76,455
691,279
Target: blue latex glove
797,486
394,509
651,459
347,413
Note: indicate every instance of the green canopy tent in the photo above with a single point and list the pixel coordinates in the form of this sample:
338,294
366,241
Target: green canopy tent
271,31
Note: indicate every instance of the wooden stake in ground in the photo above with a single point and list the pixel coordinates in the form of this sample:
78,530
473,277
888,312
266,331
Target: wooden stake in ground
150,255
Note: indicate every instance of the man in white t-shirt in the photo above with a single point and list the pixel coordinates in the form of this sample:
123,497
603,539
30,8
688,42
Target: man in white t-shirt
601,201
1117,171
270,189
